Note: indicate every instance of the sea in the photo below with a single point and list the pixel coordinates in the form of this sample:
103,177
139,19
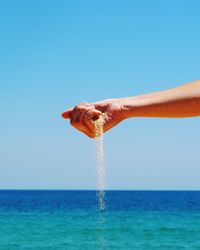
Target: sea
71,220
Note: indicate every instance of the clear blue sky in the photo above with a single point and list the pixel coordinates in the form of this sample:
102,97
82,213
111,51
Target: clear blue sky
55,54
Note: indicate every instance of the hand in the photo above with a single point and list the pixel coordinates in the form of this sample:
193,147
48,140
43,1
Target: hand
83,116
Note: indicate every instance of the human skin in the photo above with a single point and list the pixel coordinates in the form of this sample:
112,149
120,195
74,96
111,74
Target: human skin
179,102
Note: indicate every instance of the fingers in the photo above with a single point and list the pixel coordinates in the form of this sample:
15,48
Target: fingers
84,124
67,113
81,127
82,118
91,126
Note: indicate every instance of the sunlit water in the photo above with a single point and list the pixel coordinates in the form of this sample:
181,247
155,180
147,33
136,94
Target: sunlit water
134,220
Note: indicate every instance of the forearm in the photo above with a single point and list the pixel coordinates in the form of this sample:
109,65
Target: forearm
183,101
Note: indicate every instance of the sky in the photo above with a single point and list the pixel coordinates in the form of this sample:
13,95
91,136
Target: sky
56,54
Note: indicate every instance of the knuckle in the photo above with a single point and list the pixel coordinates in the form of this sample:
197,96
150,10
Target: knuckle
88,114
91,135
75,107
71,122
82,105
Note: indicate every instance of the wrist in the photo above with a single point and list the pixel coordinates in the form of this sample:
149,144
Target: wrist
128,107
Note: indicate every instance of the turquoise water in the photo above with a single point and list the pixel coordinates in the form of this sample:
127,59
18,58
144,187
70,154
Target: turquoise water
71,220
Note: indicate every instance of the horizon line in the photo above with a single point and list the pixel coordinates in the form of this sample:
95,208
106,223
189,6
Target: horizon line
95,190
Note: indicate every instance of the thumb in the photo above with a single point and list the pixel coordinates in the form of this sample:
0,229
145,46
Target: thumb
67,113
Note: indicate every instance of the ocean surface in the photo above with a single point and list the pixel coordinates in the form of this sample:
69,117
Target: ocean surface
150,220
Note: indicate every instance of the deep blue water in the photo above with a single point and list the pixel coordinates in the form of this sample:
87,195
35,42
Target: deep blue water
71,220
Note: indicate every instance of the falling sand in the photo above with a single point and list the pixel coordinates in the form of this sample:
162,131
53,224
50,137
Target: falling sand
99,123
100,162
